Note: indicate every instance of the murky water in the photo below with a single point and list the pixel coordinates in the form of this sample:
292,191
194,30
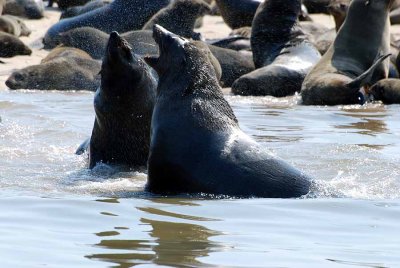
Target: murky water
56,213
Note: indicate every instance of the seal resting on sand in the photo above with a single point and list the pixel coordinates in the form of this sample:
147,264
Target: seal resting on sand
196,143
11,46
120,15
124,106
356,59
62,69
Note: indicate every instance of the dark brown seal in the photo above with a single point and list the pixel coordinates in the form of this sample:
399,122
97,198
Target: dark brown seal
120,15
196,143
62,69
124,106
387,91
282,53
180,17
356,59
11,46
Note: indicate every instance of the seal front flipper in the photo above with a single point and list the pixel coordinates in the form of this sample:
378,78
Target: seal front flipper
84,147
364,78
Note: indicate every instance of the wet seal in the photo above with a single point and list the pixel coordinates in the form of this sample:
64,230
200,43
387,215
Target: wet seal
196,143
356,59
124,106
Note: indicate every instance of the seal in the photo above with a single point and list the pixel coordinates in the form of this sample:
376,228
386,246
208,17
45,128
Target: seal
387,91
120,15
63,4
79,10
356,59
213,155
238,13
13,25
94,41
32,9
317,6
233,63
282,53
124,106
11,46
62,69
180,17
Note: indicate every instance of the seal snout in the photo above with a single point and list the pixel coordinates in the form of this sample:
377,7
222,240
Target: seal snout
119,46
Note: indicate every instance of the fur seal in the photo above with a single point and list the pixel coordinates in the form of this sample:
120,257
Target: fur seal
180,17
11,46
213,156
63,69
120,15
32,9
238,13
13,25
124,106
356,59
94,41
281,51
79,10
317,6
63,4
233,63
387,91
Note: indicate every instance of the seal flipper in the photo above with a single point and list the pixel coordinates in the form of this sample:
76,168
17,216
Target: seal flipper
84,147
364,77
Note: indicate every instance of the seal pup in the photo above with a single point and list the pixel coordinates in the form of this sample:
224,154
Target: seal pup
124,106
180,17
282,53
356,59
11,46
387,91
120,15
196,143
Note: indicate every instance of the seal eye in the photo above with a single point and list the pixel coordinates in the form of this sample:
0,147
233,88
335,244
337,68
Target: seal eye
367,2
19,77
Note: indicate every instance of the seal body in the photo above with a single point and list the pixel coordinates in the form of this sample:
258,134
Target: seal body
238,13
387,91
213,155
32,9
62,69
124,106
281,51
94,41
120,15
11,46
79,10
356,59
233,63
13,25
180,17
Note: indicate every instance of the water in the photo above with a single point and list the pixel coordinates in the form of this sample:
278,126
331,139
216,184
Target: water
56,213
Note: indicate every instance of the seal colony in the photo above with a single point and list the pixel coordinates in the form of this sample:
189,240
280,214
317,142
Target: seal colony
159,103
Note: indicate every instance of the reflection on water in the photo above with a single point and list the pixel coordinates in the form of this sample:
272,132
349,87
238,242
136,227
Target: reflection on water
171,243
